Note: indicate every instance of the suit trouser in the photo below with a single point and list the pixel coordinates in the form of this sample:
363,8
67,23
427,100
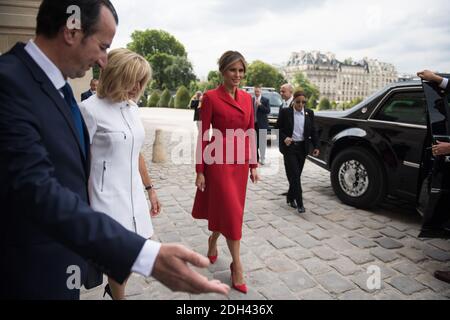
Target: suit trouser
294,161
261,142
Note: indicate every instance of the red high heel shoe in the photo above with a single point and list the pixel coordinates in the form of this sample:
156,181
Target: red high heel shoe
212,259
239,287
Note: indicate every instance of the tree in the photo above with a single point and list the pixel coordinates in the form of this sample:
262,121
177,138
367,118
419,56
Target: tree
182,98
153,100
164,99
150,42
310,89
179,73
263,74
214,79
312,102
159,62
324,104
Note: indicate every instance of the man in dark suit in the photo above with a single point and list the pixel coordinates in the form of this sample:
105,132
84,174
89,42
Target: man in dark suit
48,231
439,149
91,91
297,131
261,106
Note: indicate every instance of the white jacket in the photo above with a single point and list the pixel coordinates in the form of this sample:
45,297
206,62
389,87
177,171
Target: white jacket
115,185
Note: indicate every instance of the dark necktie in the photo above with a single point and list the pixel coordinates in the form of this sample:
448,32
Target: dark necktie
76,114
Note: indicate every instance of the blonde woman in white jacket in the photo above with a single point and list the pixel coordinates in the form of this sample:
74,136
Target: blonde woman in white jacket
119,177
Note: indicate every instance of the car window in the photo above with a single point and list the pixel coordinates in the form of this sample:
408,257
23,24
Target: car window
406,107
274,99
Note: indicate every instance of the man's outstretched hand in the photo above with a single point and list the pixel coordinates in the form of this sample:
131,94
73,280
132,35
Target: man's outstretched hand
172,270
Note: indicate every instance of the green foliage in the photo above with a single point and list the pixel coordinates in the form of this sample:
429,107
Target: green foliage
312,102
309,89
96,72
150,42
351,104
182,98
263,74
166,55
164,99
324,104
179,73
153,100
172,102
215,79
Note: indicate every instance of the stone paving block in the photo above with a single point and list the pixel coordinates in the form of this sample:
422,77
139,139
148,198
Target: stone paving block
337,217
356,295
406,285
262,277
291,232
407,268
351,225
339,244
266,251
304,225
362,280
254,241
414,255
384,255
390,295
374,225
334,283
256,224
315,266
431,282
362,243
307,241
325,253
428,296
320,234
359,257
297,281
251,262
171,237
281,265
381,219
297,254
392,233
322,211
436,254
277,291
388,243
282,243
345,266
440,244
314,294
369,234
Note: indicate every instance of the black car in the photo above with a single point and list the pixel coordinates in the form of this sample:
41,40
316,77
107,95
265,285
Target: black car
382,146
275,102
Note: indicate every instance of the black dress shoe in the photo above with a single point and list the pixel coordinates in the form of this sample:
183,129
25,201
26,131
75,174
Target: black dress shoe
292,204
107,291
301,209
443,276
285,193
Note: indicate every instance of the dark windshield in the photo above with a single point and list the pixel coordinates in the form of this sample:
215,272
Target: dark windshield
274,98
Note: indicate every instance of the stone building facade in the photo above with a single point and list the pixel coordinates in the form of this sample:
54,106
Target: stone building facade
18,23
340,81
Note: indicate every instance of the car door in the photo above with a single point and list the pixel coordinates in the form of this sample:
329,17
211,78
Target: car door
401,123
434,202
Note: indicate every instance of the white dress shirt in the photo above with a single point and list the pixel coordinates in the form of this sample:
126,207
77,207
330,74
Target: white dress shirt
444,83
287,103
299,125
146,259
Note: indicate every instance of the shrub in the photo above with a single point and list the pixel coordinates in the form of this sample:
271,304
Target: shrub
182,98
153,100
172,102
164,99
324,104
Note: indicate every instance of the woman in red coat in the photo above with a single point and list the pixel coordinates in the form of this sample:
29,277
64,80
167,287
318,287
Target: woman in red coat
225,161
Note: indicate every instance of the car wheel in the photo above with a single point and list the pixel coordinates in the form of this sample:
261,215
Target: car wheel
357,178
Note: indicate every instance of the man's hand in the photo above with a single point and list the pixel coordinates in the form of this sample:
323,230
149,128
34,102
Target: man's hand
429,76
316,153
156,205
288,141
441,148
200,182
172,270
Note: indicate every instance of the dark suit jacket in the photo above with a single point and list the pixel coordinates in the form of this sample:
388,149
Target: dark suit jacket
46,224
263,112
194,105
86,95
285,124
447,90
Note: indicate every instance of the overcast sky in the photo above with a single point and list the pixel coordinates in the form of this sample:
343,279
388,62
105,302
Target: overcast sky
411,34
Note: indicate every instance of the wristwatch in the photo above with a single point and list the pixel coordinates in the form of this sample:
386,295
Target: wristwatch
150,187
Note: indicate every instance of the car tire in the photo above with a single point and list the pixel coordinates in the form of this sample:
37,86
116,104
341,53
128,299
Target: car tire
357,178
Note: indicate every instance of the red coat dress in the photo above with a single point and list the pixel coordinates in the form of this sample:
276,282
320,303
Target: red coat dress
225,159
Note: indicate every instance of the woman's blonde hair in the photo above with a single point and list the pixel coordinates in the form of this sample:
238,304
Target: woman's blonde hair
124,69
230,57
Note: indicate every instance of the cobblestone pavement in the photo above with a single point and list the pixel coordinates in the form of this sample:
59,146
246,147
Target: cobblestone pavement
325,253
